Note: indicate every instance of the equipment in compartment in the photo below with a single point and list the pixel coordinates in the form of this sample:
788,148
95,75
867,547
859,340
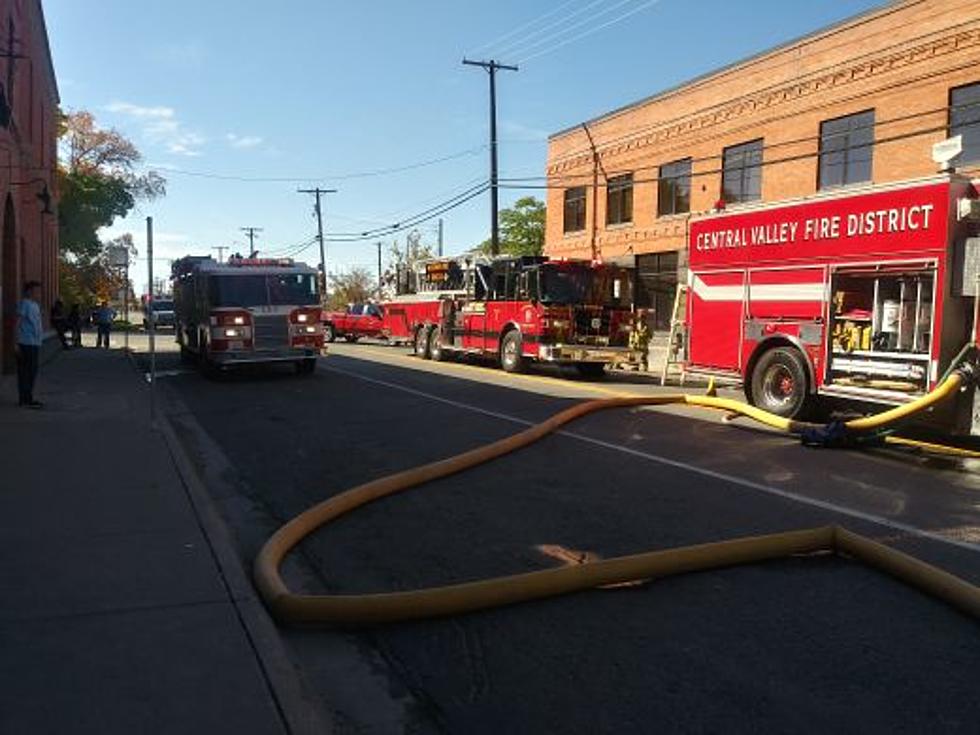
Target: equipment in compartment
881,327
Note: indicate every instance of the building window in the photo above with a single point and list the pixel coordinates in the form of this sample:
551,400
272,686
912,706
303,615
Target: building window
846,149
619,200
964,119
575,209
656,287
741,179
674,188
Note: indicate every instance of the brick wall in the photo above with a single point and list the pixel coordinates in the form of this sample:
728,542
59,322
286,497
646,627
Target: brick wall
900,61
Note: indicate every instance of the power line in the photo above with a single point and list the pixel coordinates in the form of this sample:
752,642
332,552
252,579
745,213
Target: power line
523,48
588,32
521,27
328,177
401,227
548,26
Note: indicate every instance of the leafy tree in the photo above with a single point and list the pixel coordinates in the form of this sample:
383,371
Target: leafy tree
521,228
356,286
87,281
402,261
98,183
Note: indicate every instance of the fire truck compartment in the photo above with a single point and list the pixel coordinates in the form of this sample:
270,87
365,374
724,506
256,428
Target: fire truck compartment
880,324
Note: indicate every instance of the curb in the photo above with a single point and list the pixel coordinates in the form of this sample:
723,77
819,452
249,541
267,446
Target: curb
299,712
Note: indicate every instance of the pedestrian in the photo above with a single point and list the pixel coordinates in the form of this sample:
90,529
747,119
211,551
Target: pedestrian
103,323
640,339
59,321
28,345
75,325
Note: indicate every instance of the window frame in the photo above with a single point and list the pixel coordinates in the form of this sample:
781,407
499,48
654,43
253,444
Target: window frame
581,209
743,170
974,127
850,161
663,178
619,191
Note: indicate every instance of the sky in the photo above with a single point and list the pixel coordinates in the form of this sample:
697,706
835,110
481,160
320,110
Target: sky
218,93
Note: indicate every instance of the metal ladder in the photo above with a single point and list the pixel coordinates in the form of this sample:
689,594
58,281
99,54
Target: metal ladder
676,339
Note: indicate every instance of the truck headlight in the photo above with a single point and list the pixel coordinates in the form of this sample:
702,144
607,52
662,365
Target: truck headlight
231,333
301,318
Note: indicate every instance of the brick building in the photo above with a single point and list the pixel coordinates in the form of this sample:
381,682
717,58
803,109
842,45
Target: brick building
857,103
28,157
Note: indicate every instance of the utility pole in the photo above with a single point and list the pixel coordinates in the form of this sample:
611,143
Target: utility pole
251,238
491,68
221,252
379,270
319,230
151,322
440,237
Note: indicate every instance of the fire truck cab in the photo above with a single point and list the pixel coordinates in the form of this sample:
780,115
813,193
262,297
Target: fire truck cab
248,310
865,294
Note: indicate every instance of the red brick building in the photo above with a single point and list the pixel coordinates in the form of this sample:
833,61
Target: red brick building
858,103
28,157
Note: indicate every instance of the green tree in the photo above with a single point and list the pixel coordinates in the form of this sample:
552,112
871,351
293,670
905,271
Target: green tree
353,287
98,183
521,228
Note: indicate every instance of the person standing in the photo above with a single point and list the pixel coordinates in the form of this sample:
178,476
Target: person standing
639,340
75,325
59,321
103,323
28,347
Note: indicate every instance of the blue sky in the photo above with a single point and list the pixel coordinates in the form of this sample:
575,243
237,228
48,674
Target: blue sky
317,89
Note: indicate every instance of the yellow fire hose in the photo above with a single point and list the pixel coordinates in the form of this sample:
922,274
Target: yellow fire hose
483,594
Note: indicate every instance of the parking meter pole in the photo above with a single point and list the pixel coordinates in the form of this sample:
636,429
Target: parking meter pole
151,326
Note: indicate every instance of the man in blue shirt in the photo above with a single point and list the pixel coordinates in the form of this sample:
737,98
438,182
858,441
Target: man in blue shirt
104,316
29,333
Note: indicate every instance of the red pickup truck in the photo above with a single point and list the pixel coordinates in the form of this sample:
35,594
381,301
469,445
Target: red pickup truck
359,320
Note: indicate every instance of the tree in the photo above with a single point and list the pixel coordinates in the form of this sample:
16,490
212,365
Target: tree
98,183
86,282
354,287
521,228
402,262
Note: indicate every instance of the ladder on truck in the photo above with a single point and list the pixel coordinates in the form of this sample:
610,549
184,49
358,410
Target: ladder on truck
676,340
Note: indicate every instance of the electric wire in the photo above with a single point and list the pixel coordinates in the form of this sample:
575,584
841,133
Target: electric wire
521,27
588,32
519,42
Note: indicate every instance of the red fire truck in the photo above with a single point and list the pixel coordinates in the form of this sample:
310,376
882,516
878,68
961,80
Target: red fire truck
863,294
517,309
248,310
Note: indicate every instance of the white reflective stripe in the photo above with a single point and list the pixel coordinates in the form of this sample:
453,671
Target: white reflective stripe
786,292
758,292
716,293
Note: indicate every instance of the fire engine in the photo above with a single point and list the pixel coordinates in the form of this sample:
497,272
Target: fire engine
516,309
866,294
247,310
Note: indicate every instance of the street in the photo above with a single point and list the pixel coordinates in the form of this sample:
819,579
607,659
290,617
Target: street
806,644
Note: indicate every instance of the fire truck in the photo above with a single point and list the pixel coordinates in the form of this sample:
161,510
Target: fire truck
864,294
247,310
517,310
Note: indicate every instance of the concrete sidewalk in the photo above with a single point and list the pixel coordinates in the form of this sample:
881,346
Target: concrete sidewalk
118,613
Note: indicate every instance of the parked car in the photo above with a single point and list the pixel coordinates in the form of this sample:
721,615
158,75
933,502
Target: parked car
358,320
162,315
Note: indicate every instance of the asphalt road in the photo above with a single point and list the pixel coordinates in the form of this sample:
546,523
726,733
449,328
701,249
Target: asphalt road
806,644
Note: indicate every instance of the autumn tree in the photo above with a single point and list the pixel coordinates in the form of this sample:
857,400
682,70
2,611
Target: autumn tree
521,228
353,287
402,261
98,182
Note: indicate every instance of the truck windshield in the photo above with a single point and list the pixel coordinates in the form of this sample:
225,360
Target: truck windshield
292,289
163,306
603,286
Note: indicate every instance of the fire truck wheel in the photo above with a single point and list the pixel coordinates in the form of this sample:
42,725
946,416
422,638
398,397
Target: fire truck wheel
779,383
351,337
591,370
435,349
511,359
422,343
329,335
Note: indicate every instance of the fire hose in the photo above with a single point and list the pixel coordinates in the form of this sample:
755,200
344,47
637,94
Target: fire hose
289,607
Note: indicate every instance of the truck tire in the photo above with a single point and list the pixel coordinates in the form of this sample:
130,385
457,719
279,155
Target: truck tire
422,342
351,337
780,384
435,349
511,359
591,370
329,333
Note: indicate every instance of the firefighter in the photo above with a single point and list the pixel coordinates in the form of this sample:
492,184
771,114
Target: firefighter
640,338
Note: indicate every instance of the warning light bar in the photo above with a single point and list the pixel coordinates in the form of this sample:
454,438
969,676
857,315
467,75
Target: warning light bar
252,262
